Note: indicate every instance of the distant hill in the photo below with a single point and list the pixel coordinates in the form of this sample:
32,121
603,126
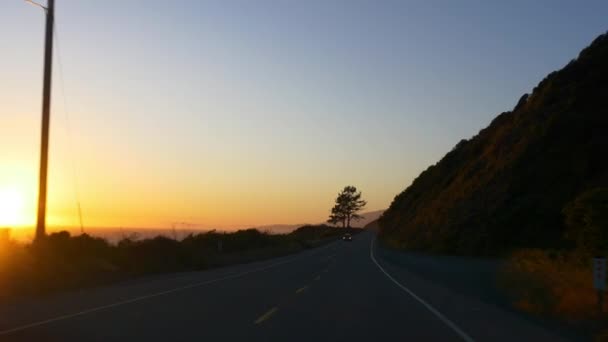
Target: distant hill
506,187
114,235
280,228
368,218
111,234
288,228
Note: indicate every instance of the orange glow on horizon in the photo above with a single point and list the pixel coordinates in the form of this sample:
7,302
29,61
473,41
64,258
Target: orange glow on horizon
12,204
17,196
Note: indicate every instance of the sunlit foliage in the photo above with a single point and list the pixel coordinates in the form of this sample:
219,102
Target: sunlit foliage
506,187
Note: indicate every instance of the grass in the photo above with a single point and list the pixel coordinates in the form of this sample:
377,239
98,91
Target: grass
555,284
63,262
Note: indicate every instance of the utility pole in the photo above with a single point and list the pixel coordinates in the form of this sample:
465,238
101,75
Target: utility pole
46,107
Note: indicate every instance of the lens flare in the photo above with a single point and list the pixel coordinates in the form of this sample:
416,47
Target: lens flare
12,204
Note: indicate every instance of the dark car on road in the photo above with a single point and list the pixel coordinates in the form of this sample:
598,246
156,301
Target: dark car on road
347,237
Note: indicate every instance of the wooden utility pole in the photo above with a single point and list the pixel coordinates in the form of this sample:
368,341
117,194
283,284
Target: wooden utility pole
46,109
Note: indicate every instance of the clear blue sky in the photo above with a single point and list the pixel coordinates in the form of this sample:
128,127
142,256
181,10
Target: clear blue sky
230,113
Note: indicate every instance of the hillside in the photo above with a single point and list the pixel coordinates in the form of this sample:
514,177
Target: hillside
507,186
280,228
368,218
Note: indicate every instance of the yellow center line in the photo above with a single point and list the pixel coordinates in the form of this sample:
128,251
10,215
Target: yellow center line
266,315
302,289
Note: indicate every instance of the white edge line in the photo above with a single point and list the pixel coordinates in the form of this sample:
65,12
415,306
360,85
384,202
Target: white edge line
266,316
157,294
439,315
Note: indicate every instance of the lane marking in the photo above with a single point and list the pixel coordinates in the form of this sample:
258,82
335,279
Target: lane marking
266,315
439,315
157,294
302,289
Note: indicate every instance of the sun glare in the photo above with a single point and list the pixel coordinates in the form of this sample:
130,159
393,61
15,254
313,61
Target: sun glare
12,205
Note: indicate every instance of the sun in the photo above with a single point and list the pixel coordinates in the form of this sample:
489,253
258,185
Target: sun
12,206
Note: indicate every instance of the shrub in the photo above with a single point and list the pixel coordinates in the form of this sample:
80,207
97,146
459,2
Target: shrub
587,221
61,262
551,283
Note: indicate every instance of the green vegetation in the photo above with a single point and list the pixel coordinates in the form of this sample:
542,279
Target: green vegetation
532,186
557,283
62,262
586,220
348,204
506,188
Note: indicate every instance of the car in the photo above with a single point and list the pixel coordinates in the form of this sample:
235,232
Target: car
347,237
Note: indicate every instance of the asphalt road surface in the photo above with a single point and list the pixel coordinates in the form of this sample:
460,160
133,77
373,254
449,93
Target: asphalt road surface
340,292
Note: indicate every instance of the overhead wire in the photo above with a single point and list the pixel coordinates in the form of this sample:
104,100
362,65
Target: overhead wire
68,128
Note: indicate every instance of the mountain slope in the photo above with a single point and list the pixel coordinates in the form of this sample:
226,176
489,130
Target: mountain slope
506,187
368,218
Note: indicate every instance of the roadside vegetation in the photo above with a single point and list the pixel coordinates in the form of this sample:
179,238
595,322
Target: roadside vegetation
558,282
532,188
63,262
505,188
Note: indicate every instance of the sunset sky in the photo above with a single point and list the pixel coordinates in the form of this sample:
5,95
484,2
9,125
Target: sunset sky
241,113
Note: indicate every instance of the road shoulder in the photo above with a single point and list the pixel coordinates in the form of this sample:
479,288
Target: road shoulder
477,315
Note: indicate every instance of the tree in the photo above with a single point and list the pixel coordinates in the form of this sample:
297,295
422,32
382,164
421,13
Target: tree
587,221
348,204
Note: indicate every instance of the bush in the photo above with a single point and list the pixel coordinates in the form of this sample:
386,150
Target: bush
62,262
587,221
552,284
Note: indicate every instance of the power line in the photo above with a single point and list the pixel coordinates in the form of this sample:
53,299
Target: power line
68,131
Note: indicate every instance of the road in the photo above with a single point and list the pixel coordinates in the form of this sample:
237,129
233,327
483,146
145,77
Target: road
340,292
